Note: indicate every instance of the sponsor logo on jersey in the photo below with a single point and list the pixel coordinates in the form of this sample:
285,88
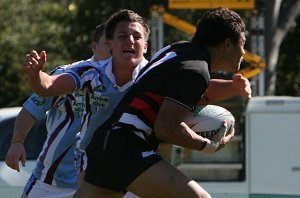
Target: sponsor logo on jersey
38,101
100,88
99,101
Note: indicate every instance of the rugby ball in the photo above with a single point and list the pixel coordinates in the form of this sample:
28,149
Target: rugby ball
207,121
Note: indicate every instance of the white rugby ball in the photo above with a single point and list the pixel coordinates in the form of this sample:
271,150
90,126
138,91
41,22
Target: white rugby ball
207,121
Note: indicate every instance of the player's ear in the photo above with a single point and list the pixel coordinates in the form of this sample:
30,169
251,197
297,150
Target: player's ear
145,47
109,44
93,45
227,43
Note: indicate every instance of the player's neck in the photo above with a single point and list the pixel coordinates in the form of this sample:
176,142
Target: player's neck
122,74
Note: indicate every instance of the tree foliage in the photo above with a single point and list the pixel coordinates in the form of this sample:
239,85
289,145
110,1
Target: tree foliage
91,13
288,67
64,27
27,25
280,16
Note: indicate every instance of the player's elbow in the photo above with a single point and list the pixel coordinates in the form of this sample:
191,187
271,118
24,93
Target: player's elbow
204,100
43,90
41,93
42,86
163,133
161,136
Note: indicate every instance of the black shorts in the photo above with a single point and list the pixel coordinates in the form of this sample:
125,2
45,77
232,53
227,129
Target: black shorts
115,162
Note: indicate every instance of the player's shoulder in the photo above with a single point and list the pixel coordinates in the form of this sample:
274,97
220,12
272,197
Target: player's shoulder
81,66
82,63
78,64
103,63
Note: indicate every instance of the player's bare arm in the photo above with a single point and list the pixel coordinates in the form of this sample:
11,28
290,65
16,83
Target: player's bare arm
42,83
168,126
220,89
16,152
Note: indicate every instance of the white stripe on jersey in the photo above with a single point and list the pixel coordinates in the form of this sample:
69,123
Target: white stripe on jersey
148,153
160,52
92,76
135,121
165,58
50,155
84,127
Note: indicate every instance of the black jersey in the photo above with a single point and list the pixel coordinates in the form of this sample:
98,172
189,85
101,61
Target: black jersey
178,72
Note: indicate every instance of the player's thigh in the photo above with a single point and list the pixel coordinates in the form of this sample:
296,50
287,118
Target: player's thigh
24,195
91,191
164,180
80,178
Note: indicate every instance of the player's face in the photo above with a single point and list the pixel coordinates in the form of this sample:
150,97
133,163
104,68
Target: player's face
237,53
101,49
128,44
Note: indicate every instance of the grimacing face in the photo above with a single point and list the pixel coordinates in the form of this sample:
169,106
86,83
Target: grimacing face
129,43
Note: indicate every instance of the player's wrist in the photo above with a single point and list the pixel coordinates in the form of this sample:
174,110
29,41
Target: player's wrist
17,142
204,143
18,137
210,146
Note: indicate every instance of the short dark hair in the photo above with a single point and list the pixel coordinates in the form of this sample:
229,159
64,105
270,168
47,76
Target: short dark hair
124,15
99,32
217,25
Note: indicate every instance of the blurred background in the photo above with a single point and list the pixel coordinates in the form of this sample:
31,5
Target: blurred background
250,164
64,27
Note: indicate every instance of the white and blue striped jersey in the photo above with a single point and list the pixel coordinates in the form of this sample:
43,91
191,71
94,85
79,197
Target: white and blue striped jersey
95,95
55,164
102,102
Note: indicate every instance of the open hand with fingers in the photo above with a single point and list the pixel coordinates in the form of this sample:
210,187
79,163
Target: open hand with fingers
15,154
33,63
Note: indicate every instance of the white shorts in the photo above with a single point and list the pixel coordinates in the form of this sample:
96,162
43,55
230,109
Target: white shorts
36,188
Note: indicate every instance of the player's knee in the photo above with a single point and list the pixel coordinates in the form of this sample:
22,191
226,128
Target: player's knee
200,192
24,195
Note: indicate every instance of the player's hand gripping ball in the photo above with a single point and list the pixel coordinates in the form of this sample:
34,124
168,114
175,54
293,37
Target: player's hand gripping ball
207,121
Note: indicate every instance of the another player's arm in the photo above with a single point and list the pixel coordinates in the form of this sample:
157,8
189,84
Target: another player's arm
46,85
220,89
24,122
42,83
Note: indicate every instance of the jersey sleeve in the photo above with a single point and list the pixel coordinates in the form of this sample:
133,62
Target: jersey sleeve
38,106
189,86
85,74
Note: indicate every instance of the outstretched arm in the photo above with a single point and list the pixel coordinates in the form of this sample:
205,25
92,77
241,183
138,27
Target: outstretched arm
220,89
42,83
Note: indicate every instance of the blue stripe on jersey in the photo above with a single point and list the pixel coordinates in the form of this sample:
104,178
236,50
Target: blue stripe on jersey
53,167
51,138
